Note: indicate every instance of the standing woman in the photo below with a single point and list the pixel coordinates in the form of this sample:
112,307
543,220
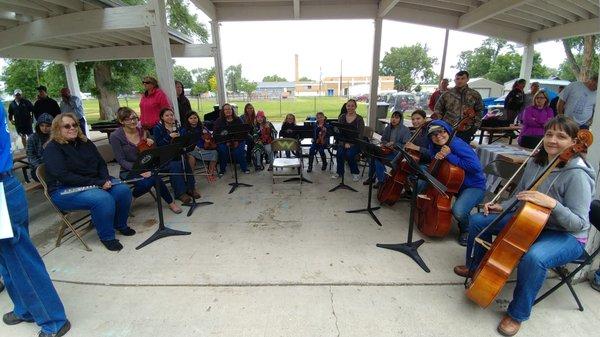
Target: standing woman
126,142
348,151
534,118
163,133
515,100
183,103
152,102
228,118
249,117
72,160
568,192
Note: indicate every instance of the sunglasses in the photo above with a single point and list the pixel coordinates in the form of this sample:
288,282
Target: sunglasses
437,133
70,126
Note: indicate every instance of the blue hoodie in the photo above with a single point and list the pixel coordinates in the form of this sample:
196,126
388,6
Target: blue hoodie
463,156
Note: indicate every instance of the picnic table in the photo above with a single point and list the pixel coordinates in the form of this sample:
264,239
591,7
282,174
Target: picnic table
509,132
487,153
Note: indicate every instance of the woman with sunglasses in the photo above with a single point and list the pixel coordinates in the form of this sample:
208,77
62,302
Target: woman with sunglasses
127,142
152,101
72,160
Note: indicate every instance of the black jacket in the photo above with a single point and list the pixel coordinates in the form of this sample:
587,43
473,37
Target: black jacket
47,105
74,164
21,112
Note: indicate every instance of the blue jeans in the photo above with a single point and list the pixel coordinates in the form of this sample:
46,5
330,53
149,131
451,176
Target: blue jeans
380,168
144,186
465,201
238,154
178,181
109,209
348,154
25,277
314,148
550,250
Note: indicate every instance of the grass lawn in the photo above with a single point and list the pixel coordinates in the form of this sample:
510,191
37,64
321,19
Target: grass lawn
274,109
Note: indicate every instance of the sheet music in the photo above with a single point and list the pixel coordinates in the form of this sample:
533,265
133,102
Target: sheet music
6,231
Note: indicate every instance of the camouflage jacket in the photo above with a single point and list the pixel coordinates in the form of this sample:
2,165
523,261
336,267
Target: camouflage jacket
454,102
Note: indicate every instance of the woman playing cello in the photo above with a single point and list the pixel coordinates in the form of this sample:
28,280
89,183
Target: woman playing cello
567,192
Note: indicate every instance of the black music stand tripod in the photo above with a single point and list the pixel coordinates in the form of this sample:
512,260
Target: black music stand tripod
154,160
299,132
233,133
372,151
188,143
411,247
344,133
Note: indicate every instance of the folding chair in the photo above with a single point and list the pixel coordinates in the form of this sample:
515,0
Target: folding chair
73,226
585,260
281,164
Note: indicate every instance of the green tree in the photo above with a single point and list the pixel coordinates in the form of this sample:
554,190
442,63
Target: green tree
274,78
180,73
202,83
303,79
233,76
24,75
582,57
248,87
408,65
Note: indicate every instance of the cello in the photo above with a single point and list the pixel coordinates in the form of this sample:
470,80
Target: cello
434,208
391,190
518,235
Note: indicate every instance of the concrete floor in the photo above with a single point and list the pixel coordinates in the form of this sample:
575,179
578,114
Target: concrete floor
276,264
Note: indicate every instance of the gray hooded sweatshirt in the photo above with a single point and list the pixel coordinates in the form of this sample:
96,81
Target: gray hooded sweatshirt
572,186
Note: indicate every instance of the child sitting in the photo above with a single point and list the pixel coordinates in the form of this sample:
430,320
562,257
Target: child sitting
264,133
287,129
320,142
205,148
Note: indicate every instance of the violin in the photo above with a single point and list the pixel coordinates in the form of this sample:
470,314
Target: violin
434,208
518,235
391,190
209,141
143,145
321,135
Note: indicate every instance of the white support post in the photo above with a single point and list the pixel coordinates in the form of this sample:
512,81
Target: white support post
72,81
527,62
593,158
216,36
443,68
372,120
162,52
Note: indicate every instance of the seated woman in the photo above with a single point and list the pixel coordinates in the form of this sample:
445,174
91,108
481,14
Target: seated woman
74,161
163,133
249,117
227,119
459,153
320,141
347,151
35,142
126,142
204,150
421,141
534,118
568,192
395,134
287,128
264,134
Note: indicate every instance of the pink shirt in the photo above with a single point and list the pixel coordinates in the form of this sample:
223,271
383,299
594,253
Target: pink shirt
150,107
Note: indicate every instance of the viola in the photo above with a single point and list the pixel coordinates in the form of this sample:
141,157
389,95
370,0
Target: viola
434,208
209,141
322,134
518,235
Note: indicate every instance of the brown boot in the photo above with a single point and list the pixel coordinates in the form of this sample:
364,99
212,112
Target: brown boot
195,193
462,271
184,198
508,326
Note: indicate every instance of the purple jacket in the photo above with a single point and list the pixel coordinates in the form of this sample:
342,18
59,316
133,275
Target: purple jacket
534,120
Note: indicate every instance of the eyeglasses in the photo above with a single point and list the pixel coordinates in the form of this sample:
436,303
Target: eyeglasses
131,119
437,133
70,126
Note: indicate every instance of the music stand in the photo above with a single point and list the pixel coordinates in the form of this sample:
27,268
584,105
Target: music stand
154,160
187,143
345,133
410,248
239,133
373,151
299,132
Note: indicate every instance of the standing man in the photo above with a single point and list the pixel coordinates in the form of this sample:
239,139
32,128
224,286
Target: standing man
442,88
534,87
71,103
452,105
45,104
27,281
578,101
20,114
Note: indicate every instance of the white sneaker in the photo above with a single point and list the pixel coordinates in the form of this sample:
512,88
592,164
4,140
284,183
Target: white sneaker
355,177
335,176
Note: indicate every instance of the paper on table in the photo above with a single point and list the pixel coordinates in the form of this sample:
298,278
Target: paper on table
5,226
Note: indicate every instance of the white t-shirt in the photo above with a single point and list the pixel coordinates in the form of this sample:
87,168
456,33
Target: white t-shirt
580,102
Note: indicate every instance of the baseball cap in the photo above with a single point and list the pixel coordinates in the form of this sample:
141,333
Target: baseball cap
435,128
17,92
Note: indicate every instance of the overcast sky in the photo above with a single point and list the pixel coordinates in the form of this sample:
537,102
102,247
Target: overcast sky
265,48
